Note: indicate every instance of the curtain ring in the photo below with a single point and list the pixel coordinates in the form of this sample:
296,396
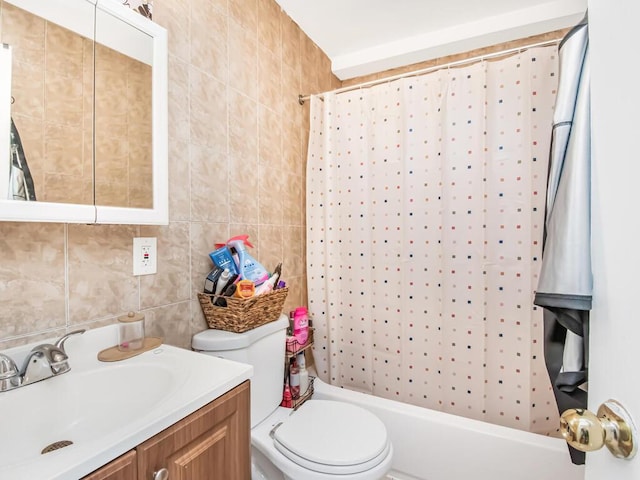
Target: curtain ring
13,100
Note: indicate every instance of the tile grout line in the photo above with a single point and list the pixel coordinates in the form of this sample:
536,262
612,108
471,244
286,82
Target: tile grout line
67,313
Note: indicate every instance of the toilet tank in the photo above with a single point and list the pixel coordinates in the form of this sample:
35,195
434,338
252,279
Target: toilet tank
263,348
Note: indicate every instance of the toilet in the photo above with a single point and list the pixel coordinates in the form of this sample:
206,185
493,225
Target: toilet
321,439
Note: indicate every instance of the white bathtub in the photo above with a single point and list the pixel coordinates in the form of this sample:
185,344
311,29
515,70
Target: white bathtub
431,445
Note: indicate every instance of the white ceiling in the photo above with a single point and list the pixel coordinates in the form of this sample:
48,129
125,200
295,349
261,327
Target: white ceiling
367,36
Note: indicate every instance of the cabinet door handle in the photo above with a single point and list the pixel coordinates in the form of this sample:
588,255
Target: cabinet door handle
162,474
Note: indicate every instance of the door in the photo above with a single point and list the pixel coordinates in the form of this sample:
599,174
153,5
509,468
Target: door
213,443
615,321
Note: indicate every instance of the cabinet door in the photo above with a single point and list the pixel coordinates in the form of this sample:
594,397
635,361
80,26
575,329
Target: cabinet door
122,468
213,443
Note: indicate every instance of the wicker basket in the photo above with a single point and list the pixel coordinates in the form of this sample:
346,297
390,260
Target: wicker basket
241,314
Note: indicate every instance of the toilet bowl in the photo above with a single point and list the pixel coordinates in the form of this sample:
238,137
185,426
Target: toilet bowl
321,439
319,442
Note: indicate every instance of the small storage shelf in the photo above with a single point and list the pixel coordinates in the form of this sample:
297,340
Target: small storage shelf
292,349
305,396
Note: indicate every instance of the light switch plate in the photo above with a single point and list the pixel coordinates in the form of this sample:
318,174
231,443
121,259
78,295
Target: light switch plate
145,255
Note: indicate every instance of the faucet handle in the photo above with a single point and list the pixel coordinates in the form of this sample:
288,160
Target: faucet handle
60,342
8,372
8,367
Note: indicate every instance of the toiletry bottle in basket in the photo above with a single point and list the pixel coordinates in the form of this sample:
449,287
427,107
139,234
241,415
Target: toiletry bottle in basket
223,279
249,267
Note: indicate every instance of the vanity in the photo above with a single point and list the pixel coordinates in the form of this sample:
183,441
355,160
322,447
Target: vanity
167,413
211,443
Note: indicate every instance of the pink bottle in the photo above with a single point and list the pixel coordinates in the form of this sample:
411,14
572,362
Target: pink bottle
301,325
286,396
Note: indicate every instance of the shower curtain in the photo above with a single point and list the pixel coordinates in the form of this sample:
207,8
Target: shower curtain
425,216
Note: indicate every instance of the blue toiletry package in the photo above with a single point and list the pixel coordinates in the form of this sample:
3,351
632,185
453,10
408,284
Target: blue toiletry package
222,258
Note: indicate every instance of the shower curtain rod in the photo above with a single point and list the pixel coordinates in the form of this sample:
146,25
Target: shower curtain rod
479,58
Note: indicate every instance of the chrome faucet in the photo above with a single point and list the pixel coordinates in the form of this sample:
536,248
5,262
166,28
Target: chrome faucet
44,361
8,372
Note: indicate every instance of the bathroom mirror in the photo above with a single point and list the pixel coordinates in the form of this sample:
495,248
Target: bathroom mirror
87,95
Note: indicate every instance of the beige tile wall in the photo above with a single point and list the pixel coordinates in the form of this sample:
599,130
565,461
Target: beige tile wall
237,143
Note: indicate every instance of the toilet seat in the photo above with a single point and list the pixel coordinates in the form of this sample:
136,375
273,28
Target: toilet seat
332,437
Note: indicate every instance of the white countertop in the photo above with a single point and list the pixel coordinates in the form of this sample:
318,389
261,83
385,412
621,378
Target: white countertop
105,408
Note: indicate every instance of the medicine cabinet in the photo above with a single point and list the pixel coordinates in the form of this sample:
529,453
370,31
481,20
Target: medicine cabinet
83,113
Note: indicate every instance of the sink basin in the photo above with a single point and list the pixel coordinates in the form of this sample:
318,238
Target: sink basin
98,411
77,407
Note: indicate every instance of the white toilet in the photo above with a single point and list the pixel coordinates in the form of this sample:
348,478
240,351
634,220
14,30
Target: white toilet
321,440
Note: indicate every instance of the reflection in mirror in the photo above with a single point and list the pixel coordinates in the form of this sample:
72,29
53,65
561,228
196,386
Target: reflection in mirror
123,114
51,149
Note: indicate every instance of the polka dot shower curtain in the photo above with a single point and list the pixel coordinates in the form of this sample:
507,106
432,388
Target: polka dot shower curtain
425,214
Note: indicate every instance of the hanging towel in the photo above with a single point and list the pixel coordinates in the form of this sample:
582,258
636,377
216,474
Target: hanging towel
20,181
565,284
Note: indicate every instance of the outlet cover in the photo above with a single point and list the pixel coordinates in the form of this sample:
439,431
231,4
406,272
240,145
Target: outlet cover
145,255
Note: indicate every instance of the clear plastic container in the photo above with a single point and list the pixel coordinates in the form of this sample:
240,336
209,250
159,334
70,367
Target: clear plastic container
130,332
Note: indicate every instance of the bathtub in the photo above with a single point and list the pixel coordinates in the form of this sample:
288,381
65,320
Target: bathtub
431,445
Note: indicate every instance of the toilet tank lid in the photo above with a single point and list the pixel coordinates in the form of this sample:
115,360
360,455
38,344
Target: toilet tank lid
212,340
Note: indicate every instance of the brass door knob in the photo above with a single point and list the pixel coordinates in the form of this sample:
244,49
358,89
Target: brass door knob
612,426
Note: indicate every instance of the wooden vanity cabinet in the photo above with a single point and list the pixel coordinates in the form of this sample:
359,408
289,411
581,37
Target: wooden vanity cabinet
213,443
122,468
